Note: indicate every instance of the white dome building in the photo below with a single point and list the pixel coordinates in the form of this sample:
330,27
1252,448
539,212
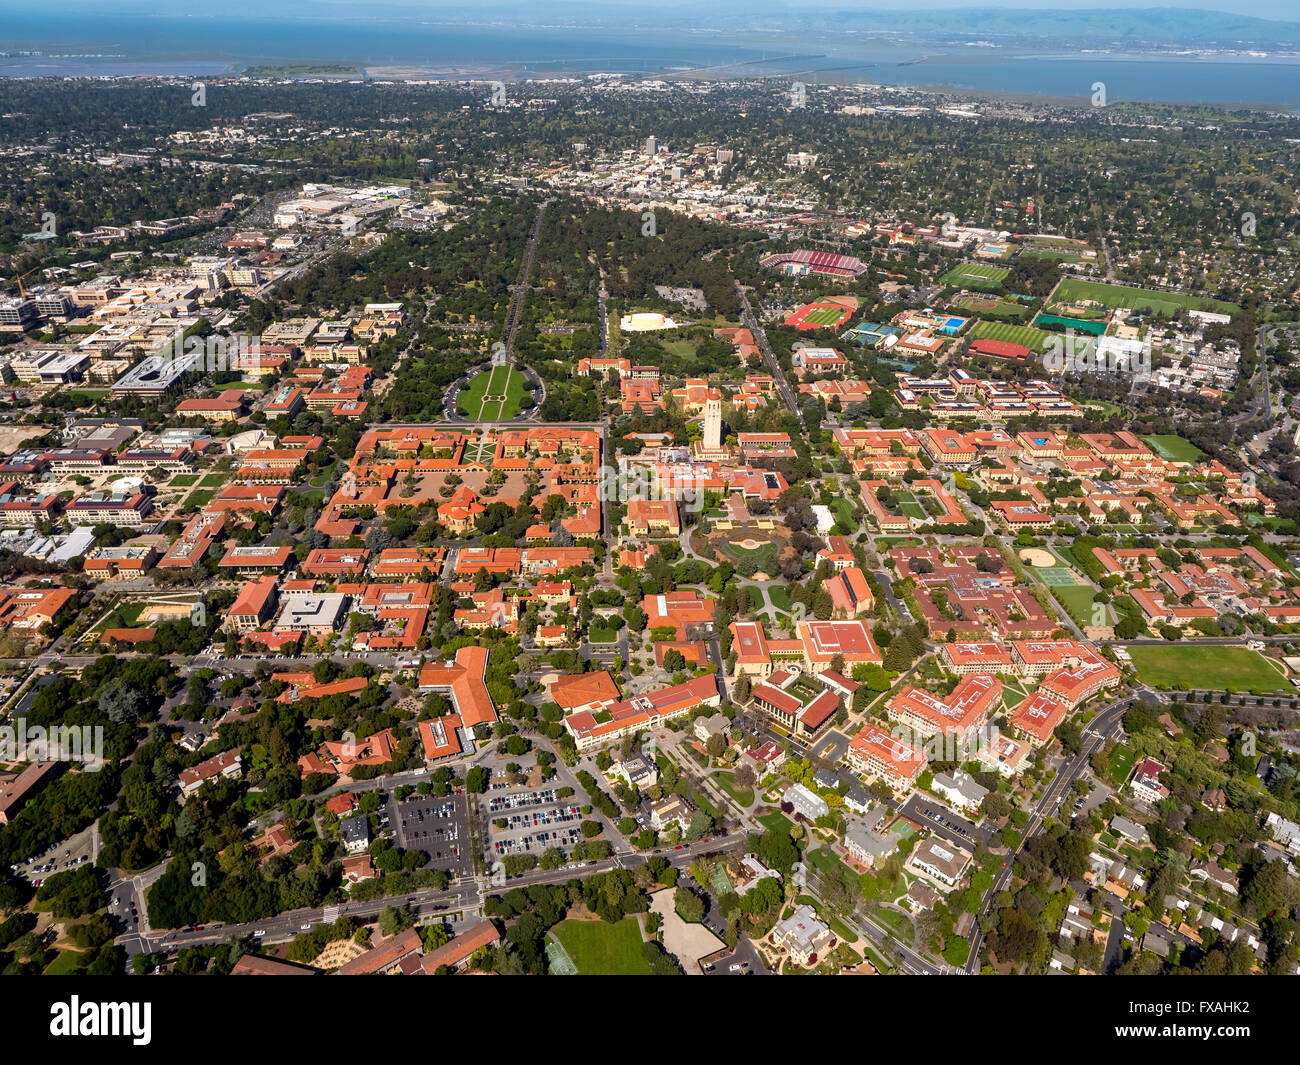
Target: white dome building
645,322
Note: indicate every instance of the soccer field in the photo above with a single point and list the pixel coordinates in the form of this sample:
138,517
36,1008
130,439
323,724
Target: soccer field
1025,335
597,948
976,274
493,395
819,316
1072,290
824,316
1174,448
1207,666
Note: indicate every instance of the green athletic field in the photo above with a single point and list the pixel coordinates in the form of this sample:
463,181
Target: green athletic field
598,948
493,395
1072,289
1207,666
1025,335
976,274
824,316
977,305
1174,448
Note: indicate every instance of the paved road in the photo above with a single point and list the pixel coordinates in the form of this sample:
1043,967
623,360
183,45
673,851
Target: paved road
750,322
1106,723
464,894
521,286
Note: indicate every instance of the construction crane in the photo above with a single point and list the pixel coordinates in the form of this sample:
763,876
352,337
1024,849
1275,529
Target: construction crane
22,291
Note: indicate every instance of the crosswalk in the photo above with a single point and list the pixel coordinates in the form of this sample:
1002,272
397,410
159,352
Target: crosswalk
331,914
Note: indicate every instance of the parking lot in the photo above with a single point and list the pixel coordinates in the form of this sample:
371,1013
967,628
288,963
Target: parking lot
439,827
70,854
945,822
535,820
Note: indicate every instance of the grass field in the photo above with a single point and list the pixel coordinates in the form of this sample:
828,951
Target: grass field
1077,599
1207,667
777,821
602,949
821,315
1061,250
1025,335
67,962
976,274
977,305
908,506
1074,289
1122,760
843,511
599,635
493,395
1174,448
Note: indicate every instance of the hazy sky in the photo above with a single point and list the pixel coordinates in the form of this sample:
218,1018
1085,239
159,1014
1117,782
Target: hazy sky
1288,10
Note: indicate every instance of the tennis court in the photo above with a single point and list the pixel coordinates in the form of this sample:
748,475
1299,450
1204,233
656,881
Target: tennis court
558,960
1056,576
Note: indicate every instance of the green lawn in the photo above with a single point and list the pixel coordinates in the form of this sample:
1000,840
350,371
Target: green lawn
764,555
908,506
123,616
899,922
1174,448
1208,666
779,596
213,480
67,963
1073,289
599,948
777,821
200,497
1077,599
843,511
1122,760
498,381
727,782
185,480
599,635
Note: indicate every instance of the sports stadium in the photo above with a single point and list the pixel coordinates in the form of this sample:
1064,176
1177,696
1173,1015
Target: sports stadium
803,262
824,314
